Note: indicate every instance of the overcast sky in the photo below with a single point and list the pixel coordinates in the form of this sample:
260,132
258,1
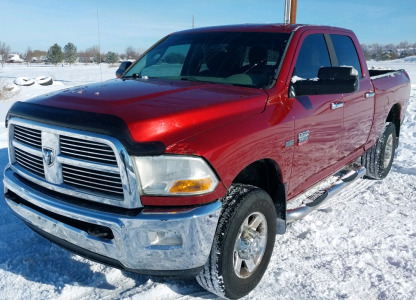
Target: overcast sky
136,23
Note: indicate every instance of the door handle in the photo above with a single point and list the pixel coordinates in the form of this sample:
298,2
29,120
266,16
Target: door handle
370,94
337,105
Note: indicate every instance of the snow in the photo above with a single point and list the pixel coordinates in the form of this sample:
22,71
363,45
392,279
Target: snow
359,245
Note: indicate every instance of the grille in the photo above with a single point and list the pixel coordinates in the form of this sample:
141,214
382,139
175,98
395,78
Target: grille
87,150
30,162
28,136
93,180
82,165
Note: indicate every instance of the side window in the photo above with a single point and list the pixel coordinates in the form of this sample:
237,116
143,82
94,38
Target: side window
346,52
312,56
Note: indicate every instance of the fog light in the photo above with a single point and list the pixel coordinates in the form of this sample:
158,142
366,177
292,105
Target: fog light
161,240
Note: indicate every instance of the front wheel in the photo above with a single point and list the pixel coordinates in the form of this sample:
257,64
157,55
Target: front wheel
379,158
243,243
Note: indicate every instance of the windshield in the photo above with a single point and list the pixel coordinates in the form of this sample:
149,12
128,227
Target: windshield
237,58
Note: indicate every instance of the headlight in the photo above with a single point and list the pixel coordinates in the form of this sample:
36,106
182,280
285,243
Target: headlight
169,175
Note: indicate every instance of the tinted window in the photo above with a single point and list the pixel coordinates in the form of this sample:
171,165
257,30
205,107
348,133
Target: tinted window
237,58
168,64
346,52
312,56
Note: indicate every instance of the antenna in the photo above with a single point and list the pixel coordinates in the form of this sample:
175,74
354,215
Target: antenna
290,11
193,21
287,12
99,46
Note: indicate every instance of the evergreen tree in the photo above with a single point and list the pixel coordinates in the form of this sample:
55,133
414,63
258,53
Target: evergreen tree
55,54
70,53
111,57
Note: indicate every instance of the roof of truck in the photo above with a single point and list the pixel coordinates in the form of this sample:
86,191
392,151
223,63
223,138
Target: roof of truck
260,28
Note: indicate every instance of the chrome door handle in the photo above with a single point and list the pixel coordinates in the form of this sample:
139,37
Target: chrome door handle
337,105
370,94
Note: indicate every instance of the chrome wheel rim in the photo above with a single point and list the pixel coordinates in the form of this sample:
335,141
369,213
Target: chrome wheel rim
250,245
388,151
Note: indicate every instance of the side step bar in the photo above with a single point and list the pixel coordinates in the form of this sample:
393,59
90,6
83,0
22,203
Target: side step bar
315,200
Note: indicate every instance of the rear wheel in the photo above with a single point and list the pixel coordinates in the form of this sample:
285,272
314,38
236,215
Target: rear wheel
243,243
379,158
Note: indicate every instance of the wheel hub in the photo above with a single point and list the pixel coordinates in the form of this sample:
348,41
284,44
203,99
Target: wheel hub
248,245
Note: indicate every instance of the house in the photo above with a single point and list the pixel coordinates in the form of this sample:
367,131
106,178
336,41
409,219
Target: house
14,58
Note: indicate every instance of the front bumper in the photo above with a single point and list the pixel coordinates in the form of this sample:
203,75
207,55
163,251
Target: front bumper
151,242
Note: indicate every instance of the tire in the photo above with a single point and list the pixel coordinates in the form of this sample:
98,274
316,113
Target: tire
44,80
24,81
243,243
379,158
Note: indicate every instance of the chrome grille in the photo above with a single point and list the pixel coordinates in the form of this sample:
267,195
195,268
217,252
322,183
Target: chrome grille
28,136
92,180
87,150
89,166
30,162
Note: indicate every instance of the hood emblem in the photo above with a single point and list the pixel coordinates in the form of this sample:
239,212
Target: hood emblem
48,156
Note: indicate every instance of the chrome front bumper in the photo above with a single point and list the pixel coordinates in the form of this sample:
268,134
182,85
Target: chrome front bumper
150,242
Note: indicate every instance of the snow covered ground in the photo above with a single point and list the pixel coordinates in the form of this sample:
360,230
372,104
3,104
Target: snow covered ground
360,245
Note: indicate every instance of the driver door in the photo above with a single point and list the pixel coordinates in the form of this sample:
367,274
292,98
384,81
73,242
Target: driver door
318,123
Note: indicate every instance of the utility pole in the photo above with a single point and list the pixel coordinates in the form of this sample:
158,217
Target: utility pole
293,9
99,46
193,21
290,11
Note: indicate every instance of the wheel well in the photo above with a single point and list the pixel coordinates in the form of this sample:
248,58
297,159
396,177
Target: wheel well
394,117
266,175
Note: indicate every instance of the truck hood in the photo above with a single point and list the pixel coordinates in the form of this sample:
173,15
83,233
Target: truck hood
161,110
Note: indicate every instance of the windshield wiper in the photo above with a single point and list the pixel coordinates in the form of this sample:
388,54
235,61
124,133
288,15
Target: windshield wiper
191,78
136,76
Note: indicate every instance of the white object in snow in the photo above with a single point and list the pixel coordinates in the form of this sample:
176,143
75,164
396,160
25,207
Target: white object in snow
44,80
24,81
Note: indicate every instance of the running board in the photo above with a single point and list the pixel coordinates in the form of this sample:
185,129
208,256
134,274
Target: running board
315,200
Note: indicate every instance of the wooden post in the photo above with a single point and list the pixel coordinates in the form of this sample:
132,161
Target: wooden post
293,7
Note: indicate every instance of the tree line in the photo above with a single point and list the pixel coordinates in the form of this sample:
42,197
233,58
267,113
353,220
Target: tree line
389,51
69,54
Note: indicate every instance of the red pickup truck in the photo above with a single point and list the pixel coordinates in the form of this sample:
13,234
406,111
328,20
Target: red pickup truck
184,165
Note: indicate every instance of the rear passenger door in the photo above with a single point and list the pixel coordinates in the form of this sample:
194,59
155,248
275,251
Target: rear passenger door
358,106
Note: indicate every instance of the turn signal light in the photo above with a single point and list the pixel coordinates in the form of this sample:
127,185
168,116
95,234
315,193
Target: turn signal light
191,186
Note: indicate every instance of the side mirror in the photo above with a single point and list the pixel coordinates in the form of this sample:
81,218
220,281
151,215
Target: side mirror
123,67
331,80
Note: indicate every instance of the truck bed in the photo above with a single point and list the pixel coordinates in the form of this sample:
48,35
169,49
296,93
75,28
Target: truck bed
377,73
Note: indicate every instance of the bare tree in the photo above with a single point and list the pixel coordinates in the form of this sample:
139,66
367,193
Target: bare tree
366,51
94,54
131,53
28,55
83,57
4,53
404,45
39,55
